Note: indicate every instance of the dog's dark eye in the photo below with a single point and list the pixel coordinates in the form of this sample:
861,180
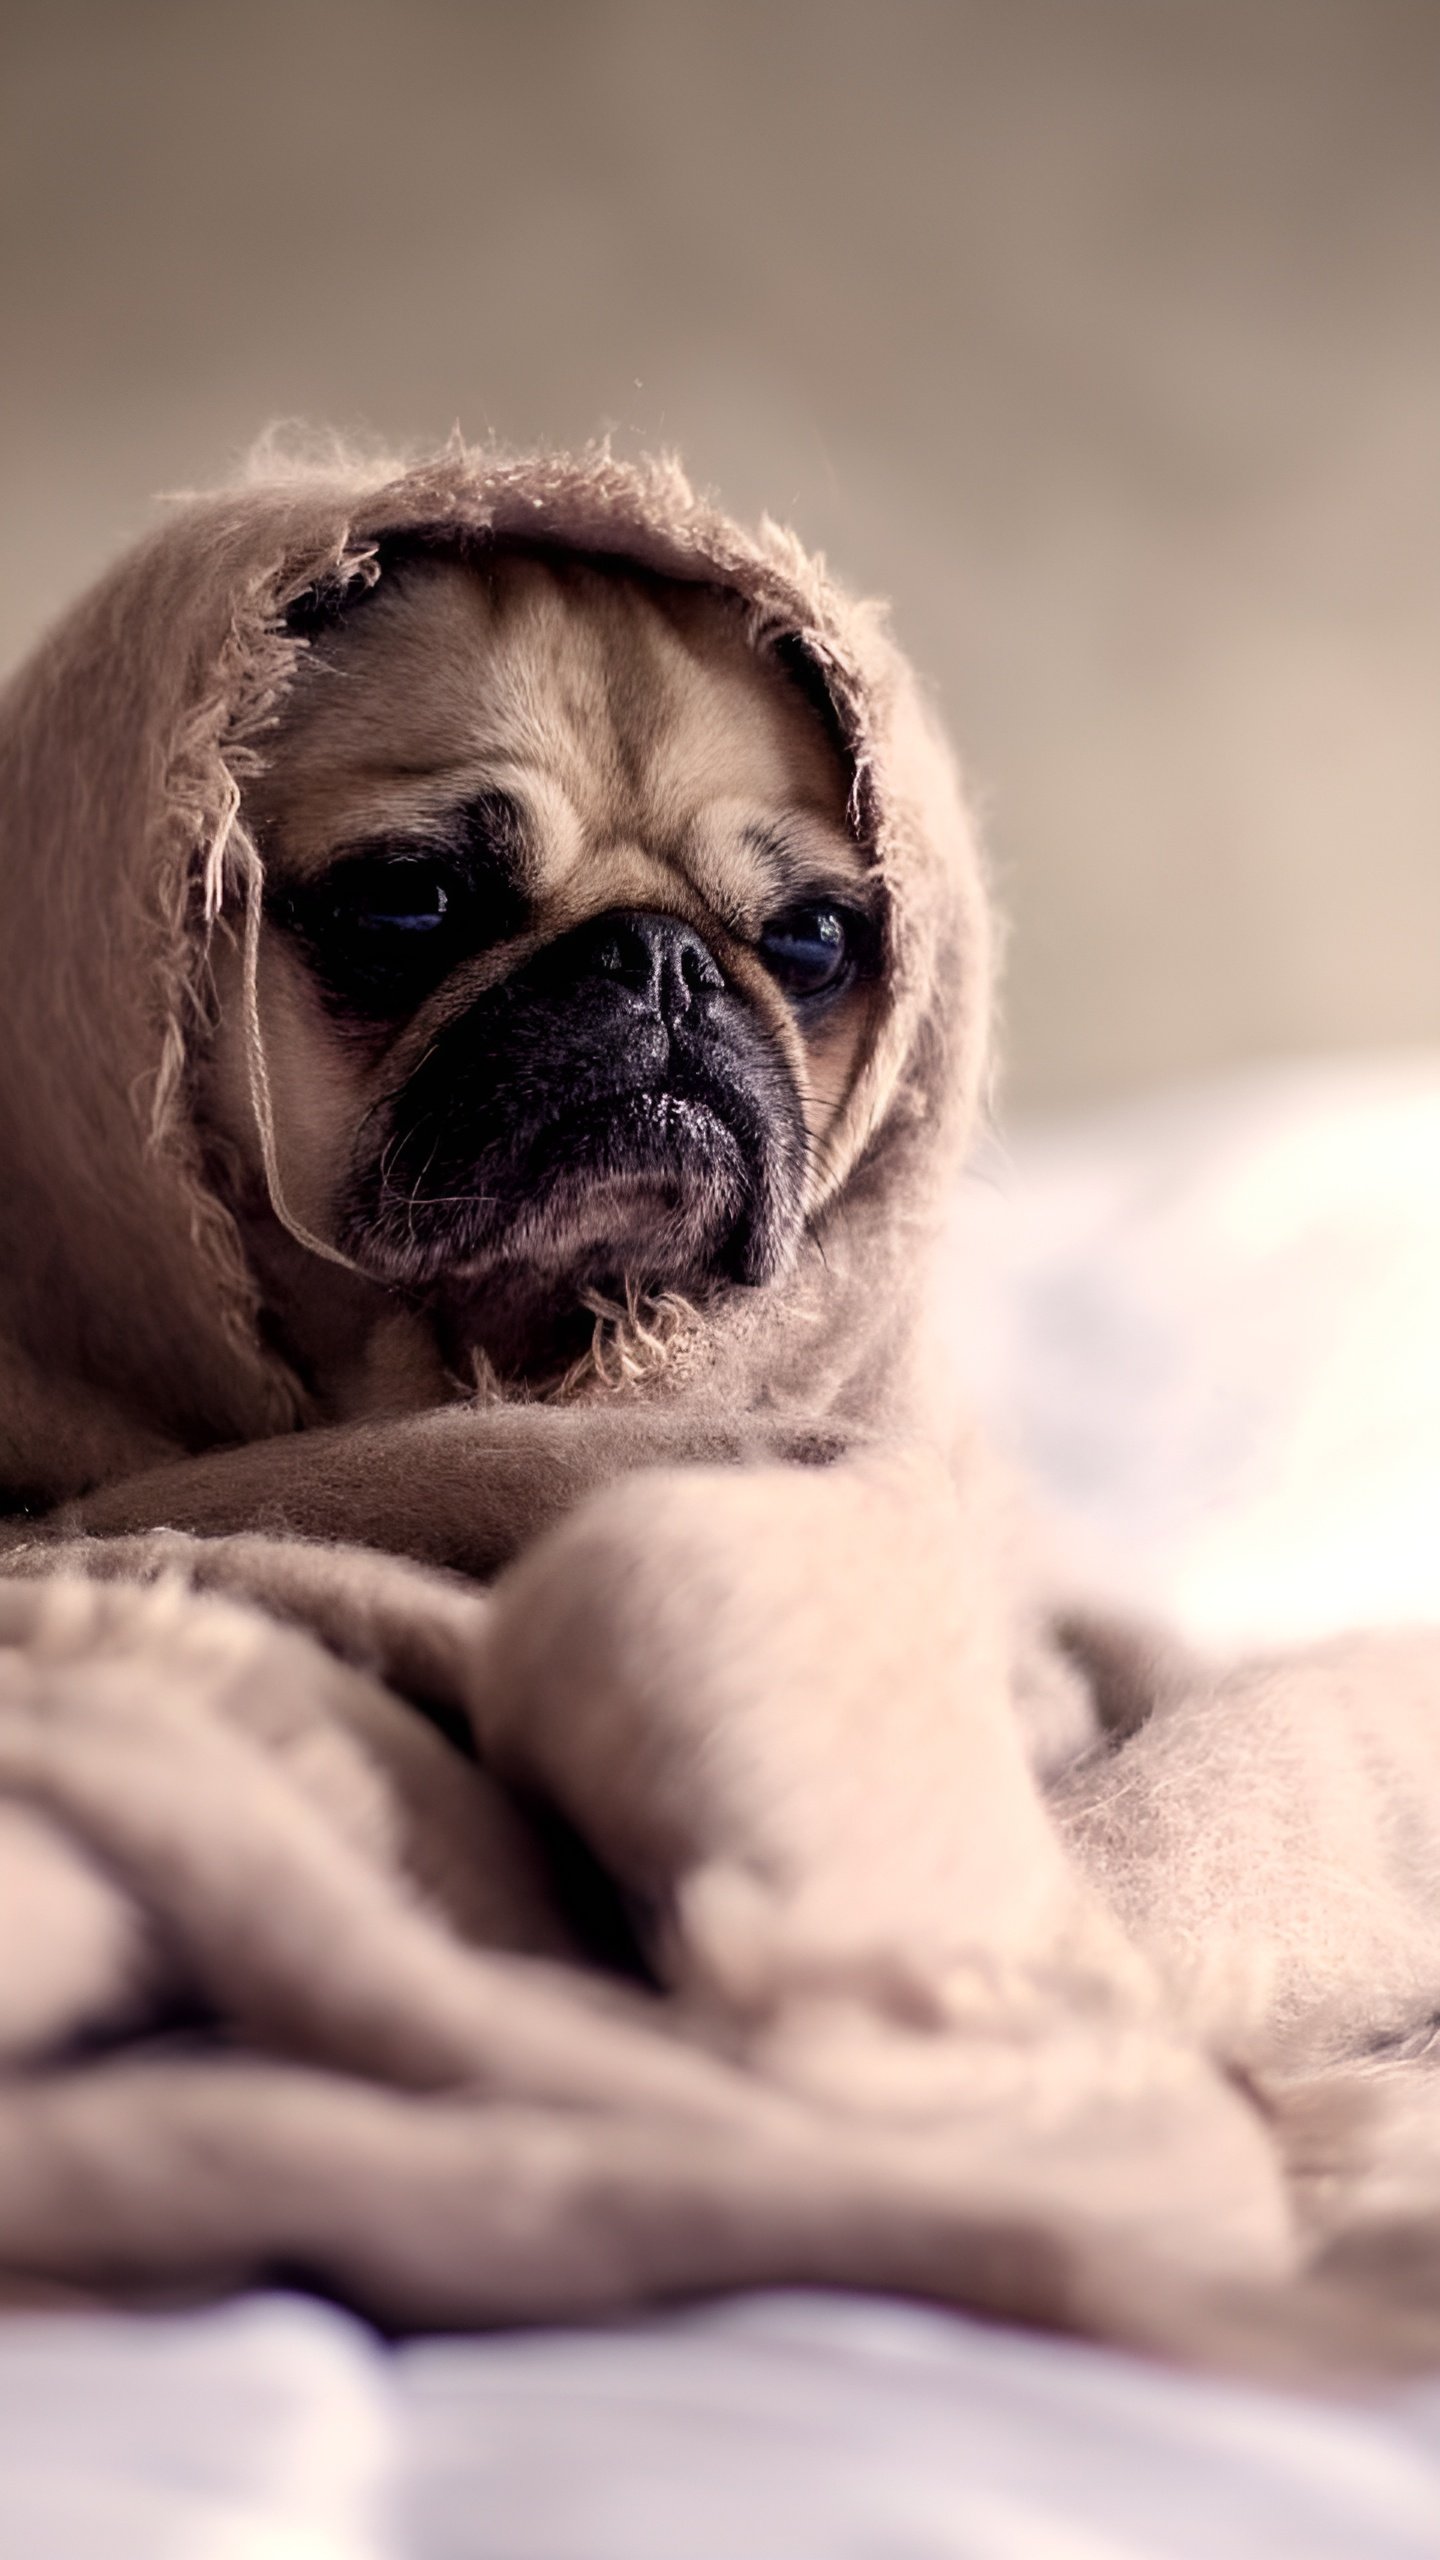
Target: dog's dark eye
380,930
379,897
386,924
811,951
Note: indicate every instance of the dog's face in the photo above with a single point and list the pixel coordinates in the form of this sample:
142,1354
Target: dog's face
568,948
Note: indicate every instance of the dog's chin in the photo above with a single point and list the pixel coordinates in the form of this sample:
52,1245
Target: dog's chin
529,1309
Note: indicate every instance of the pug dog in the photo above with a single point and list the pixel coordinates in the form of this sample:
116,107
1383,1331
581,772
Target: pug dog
562,955
565,963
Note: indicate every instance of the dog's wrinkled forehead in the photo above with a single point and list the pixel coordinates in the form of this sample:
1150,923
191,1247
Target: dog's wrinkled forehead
625,715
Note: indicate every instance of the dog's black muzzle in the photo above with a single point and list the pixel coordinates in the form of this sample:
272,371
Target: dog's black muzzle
615,1108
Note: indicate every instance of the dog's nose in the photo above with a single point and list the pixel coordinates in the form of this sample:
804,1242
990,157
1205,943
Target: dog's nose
658,957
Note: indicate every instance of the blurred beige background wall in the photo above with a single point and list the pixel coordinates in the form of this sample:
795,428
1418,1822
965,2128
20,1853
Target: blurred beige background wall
1103,335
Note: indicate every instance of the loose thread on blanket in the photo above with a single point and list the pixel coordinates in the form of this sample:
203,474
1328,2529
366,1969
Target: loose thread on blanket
631,1343
241,851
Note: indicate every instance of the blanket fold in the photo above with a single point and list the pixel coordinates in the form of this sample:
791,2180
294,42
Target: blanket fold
441,2129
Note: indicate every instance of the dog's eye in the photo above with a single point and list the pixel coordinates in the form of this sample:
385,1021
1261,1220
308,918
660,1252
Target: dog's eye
392,917
380,930
811,950
380,897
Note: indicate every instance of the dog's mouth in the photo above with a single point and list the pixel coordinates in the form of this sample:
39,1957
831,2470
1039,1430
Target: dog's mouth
643,1135
636,1122
643,1193
649,1185
646,1188
576,1131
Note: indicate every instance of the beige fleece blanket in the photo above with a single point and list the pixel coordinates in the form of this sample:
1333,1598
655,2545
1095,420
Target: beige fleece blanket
994,1952
283,1992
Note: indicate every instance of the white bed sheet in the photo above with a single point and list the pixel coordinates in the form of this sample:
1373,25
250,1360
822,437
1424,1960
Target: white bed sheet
789,2427
780,2427
1210,1326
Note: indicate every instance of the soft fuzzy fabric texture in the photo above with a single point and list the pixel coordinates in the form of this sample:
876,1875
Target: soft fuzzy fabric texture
999,1955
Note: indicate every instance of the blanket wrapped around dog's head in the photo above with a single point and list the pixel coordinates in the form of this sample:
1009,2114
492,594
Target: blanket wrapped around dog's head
133,1323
